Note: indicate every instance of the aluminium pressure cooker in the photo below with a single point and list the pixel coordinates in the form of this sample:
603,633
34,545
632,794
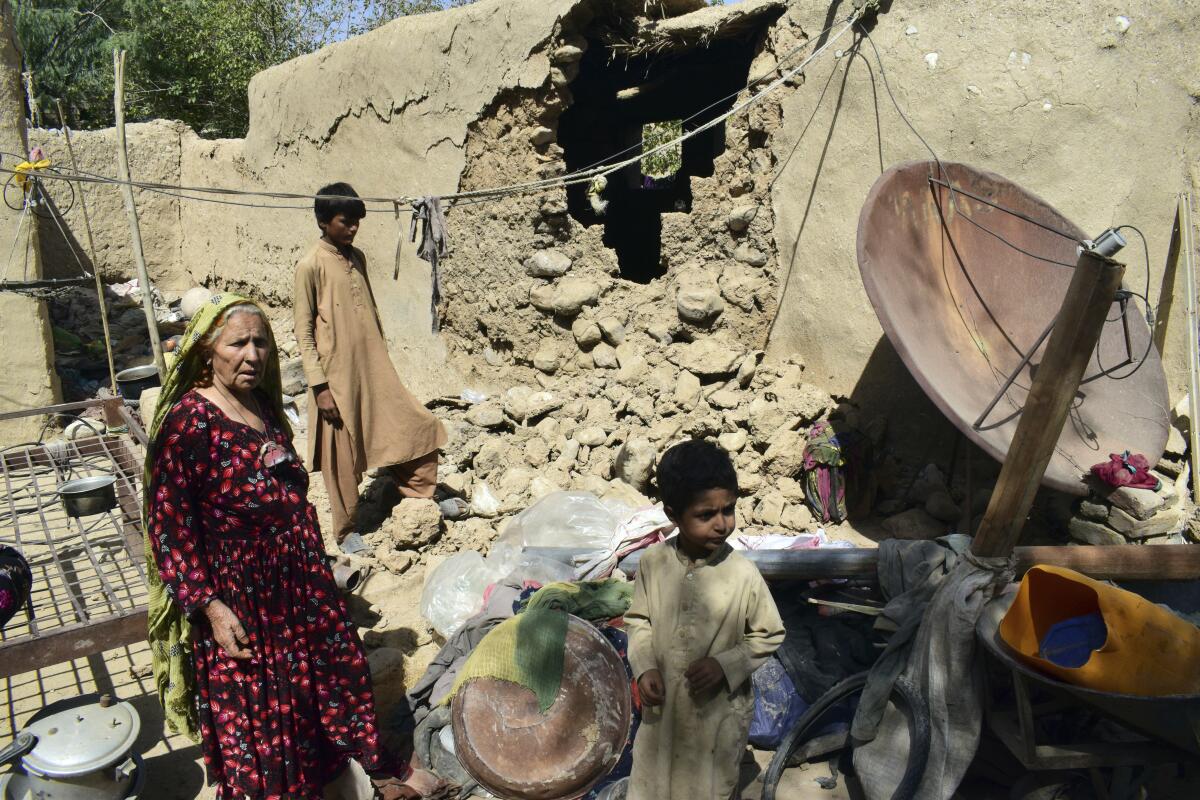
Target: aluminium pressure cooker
80,748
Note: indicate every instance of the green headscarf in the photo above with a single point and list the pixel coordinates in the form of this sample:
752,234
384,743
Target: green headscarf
170,632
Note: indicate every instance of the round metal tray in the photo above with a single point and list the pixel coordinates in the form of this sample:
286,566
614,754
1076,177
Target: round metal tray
517,752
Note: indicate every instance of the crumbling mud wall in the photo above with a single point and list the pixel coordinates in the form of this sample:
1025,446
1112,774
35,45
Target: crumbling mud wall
1093,107
26,355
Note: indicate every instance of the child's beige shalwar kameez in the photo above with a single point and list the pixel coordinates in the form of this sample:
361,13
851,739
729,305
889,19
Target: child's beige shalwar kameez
342,344
689,748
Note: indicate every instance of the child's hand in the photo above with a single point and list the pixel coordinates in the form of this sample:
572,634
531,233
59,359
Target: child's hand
703,675
326,406
651,688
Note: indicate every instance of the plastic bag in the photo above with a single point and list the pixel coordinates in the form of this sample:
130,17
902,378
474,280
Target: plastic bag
453,591
564,519
777,705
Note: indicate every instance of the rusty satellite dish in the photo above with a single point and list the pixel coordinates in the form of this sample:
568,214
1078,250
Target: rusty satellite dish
516,752
966,281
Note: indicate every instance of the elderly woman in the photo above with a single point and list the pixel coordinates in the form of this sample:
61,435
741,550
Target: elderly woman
254,653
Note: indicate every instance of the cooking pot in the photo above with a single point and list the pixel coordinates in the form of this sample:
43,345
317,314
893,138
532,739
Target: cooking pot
83,497
76,749
133,381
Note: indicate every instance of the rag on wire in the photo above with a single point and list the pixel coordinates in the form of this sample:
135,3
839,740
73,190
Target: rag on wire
427,213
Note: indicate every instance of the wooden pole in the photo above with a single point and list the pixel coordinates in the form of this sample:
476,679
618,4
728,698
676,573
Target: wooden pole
131,211
1168,562
87,225
1187,245
1076,333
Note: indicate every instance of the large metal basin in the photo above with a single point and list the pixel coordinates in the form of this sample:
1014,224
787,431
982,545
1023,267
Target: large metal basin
1171,718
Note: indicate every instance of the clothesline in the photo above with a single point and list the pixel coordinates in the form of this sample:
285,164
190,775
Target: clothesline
392,204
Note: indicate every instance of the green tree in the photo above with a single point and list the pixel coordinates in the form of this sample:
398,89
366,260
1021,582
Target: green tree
67,45
188,59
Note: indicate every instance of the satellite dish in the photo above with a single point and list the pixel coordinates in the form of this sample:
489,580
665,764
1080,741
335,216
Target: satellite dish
965,281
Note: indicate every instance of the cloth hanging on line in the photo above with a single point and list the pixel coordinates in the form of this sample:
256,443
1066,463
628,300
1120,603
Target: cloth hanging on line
427,212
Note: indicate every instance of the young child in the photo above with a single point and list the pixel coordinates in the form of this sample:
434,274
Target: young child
701,622
359,416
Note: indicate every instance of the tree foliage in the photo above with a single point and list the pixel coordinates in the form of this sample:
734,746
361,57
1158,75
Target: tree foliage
188,59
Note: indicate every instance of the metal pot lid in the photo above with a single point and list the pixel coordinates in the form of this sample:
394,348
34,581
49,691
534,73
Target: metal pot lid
137,373
84,485
83,739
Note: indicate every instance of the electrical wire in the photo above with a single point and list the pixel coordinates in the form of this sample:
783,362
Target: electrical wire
954,191
577,177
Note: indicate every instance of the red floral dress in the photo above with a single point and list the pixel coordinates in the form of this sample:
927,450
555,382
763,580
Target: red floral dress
281,724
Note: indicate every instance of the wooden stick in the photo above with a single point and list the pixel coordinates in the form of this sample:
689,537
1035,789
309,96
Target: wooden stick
1076,334
131,211
87,225
1187,243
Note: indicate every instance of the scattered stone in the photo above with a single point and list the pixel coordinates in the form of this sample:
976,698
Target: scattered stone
748,255
537,452
1168,520
740,218
661,332
734,441
541,297
797,517
572,294
1173,538
634,463
591,436
541,136
492,455
586,332
415,522
394,561
547,263
1176,443
612,331
725,399
192,300
941,505
929,481
699,305
621,492
291,374
1093,511
687,390
567,54
770,508
791,489
486,415
523,403
604,356
747,368
705,358
1088,532
785,456
547,357
916,523
1140,503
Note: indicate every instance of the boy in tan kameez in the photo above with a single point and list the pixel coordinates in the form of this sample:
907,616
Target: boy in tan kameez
701,622
360,416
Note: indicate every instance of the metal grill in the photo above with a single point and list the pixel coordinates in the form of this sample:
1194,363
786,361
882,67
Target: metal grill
89,581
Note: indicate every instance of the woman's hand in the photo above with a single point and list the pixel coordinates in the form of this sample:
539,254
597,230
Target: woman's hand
227,630
326,406
703,675
651,688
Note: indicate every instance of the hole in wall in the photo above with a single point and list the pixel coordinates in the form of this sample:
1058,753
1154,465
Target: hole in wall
618,102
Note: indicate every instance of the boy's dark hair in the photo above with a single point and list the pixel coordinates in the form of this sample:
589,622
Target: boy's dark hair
345,202
691,468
